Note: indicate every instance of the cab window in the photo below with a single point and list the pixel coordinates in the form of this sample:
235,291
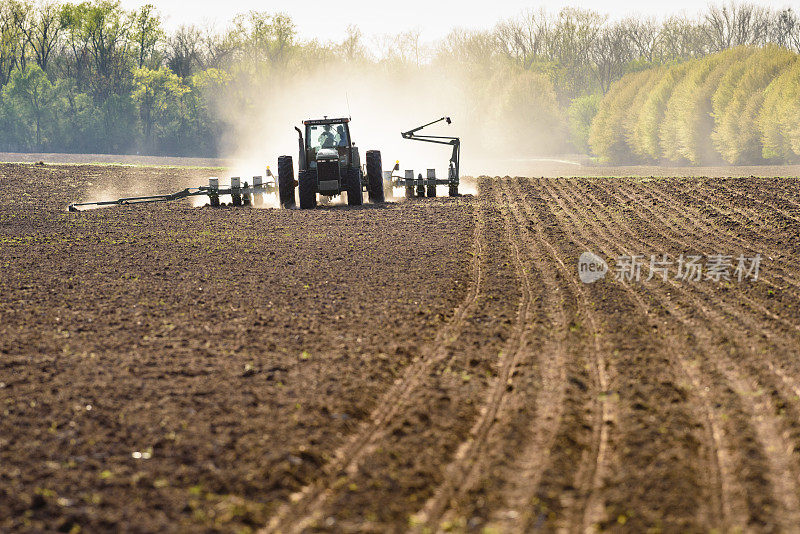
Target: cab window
327,136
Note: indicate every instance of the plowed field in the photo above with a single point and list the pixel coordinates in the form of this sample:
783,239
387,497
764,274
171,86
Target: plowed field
433,364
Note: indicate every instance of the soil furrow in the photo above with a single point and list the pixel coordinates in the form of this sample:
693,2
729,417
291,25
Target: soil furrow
728,506
461,471
305,507
687,247
773,444
662,369
779,342
585,509
754,214
776,343
516,508
679,207
433,364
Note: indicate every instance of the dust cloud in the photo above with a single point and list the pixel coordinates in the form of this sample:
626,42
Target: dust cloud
382,103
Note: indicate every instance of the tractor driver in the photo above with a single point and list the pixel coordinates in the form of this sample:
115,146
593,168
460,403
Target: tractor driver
327,139
341,135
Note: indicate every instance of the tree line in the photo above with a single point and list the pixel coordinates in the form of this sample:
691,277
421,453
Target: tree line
739,106
95,77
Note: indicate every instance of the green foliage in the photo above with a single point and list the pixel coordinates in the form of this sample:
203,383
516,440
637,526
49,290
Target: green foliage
779,119
646,142
737,103
739,106
30,96
691,108
159,97
92,76
613,128
581,113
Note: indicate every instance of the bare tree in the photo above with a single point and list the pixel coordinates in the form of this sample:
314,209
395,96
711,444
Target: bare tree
513,41
42,32
12,49
183,50
147,33
352,48
410,47
22,18
613,49
216,49
643,35
574,35
734,24
784,28
680,38
526,39
472,48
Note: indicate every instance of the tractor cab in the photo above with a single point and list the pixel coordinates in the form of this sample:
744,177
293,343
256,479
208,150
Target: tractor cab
326,137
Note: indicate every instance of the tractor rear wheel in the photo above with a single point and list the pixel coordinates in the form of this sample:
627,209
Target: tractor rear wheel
431,191
308,190
355,197
375,176
409,191
286,182
453,190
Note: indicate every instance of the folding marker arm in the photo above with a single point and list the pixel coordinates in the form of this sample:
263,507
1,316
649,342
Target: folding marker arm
455,142
185,193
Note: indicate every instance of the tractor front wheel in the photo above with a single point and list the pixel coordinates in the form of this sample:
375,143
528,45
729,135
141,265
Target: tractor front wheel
286,182
355,197
375,176
308,191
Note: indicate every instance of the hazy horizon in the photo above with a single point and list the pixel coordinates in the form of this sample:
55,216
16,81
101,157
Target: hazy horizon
378,19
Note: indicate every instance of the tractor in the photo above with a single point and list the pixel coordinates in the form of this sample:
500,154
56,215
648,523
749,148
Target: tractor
329,164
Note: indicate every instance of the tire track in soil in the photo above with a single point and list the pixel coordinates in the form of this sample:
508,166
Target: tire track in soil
472,455
706,229
749,302
583,508
722,186
673,502
305,506
528,465
728,497
784,339
782,467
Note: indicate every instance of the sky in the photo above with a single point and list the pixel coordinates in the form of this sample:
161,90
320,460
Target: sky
327,20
